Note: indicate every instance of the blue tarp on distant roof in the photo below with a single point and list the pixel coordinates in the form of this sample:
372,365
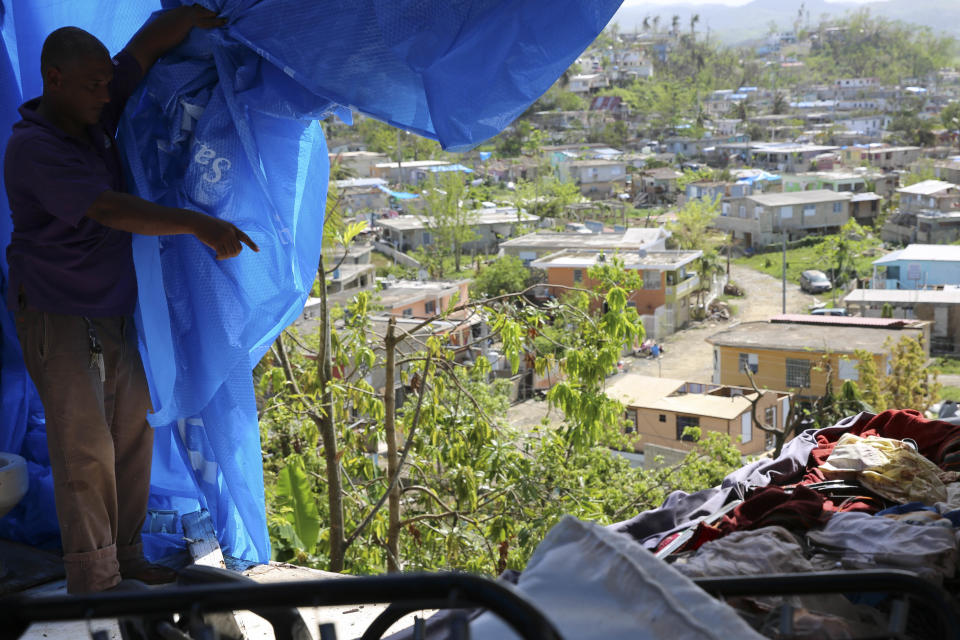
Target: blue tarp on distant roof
446,168
228,124
399,195
760,177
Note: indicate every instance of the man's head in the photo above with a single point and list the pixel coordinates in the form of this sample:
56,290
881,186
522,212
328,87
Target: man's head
76,70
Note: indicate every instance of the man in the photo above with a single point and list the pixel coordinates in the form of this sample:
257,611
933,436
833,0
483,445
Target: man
73,288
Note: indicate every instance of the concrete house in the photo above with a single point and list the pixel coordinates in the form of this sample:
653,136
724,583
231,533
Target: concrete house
761,220
361,163
659,409
791,352
533,246
406,172
838,180
918,266
869,127
420,298
948,170
668,282
659,185
587,83
929,213
351,273
358,194
692,147
408,232
881,156
712,190
787,156
865,207
940,307
597,179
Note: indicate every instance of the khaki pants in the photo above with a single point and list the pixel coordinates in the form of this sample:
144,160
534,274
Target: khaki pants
99,441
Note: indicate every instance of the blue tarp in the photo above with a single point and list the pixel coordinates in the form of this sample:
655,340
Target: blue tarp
227,124
760,177
399,195
446,168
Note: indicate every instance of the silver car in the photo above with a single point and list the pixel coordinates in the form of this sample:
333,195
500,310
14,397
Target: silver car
813,281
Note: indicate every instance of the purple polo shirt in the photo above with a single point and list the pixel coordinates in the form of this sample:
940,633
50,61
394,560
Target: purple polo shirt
62,260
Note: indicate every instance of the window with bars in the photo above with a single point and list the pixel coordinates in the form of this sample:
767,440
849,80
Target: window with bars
748,361
651,279
682,423
798,373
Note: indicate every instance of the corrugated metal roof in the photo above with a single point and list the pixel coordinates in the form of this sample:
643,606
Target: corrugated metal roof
843,321
904,296
923,253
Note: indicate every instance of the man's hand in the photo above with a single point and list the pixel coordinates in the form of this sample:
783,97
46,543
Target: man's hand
168,30
221,236
204,18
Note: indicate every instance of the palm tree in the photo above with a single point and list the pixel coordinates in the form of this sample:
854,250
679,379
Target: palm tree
674,24
646,23
779,104
656,24
706,267
694,19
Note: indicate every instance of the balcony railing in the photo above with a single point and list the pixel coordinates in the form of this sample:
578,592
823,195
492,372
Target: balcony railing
684,288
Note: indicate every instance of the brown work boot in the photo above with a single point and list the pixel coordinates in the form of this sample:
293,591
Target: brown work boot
147,572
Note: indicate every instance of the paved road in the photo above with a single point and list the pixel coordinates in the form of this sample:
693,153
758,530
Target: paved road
688,356
949,380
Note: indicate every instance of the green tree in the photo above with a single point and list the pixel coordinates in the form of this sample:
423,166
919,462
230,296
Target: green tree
920,170
841,250
476,495
616,134
546,195
907,382
707,266
692,227
450,223
950,116
506,274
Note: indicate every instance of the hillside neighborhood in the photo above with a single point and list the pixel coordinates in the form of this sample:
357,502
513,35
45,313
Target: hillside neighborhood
653,333
597,170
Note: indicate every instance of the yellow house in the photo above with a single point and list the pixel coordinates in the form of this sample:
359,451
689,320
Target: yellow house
791,352
659,409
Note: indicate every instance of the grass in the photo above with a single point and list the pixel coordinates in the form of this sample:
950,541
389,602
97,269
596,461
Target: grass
950,393
949,366
799,260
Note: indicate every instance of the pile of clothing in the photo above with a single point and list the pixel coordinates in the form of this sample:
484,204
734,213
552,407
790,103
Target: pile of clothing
872,492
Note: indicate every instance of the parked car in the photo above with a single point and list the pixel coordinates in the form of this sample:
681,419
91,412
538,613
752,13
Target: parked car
813,281
833,311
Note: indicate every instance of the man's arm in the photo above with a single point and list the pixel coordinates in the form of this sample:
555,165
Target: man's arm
167,31
127,212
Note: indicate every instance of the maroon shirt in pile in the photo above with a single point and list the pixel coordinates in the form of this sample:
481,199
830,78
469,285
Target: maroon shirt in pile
63,261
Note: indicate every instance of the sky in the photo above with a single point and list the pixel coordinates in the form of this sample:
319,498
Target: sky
731,3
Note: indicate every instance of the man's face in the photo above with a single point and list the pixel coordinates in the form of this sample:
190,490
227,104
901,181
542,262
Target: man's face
81,87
